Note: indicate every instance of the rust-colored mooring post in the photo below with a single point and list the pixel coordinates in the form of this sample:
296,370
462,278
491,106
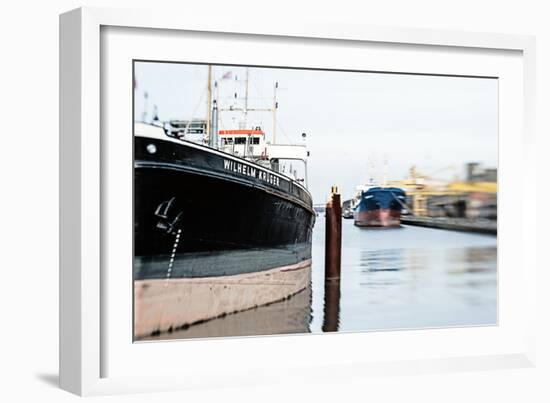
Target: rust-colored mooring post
333,236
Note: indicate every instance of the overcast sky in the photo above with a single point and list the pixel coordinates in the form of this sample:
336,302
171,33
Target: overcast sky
354,121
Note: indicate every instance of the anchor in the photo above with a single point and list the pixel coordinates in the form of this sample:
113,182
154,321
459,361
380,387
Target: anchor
169,217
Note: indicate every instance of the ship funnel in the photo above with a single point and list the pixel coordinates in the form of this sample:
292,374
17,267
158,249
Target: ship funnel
214,126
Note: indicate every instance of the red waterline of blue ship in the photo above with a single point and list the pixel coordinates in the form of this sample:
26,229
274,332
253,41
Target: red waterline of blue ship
380,207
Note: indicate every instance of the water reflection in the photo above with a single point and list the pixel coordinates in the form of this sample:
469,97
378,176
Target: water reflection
382,260
411,277
291,315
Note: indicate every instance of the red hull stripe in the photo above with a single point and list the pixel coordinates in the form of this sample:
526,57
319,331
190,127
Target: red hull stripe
378,218
226,132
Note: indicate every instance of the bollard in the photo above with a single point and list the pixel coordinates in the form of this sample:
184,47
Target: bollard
333,236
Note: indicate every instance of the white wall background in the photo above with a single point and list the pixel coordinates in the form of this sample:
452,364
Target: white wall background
29,201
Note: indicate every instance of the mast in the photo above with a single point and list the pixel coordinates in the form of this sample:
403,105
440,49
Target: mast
144,114
246,98
370,172
209,103
385,173
214,136
275,106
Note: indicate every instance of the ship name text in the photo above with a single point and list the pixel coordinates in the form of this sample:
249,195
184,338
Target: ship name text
252,172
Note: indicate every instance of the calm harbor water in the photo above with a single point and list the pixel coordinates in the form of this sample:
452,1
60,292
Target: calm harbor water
402,278
409,277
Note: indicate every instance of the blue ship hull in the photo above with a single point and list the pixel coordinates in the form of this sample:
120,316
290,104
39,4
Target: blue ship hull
380,207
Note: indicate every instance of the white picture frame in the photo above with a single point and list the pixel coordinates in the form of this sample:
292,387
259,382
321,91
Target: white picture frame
85,344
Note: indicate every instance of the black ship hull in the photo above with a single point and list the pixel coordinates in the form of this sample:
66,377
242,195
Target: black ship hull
195,206
213,235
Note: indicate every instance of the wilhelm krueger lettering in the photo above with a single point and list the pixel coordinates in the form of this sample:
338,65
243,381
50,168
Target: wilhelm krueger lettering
250,171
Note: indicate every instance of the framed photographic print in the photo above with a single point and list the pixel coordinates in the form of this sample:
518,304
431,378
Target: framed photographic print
250,203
